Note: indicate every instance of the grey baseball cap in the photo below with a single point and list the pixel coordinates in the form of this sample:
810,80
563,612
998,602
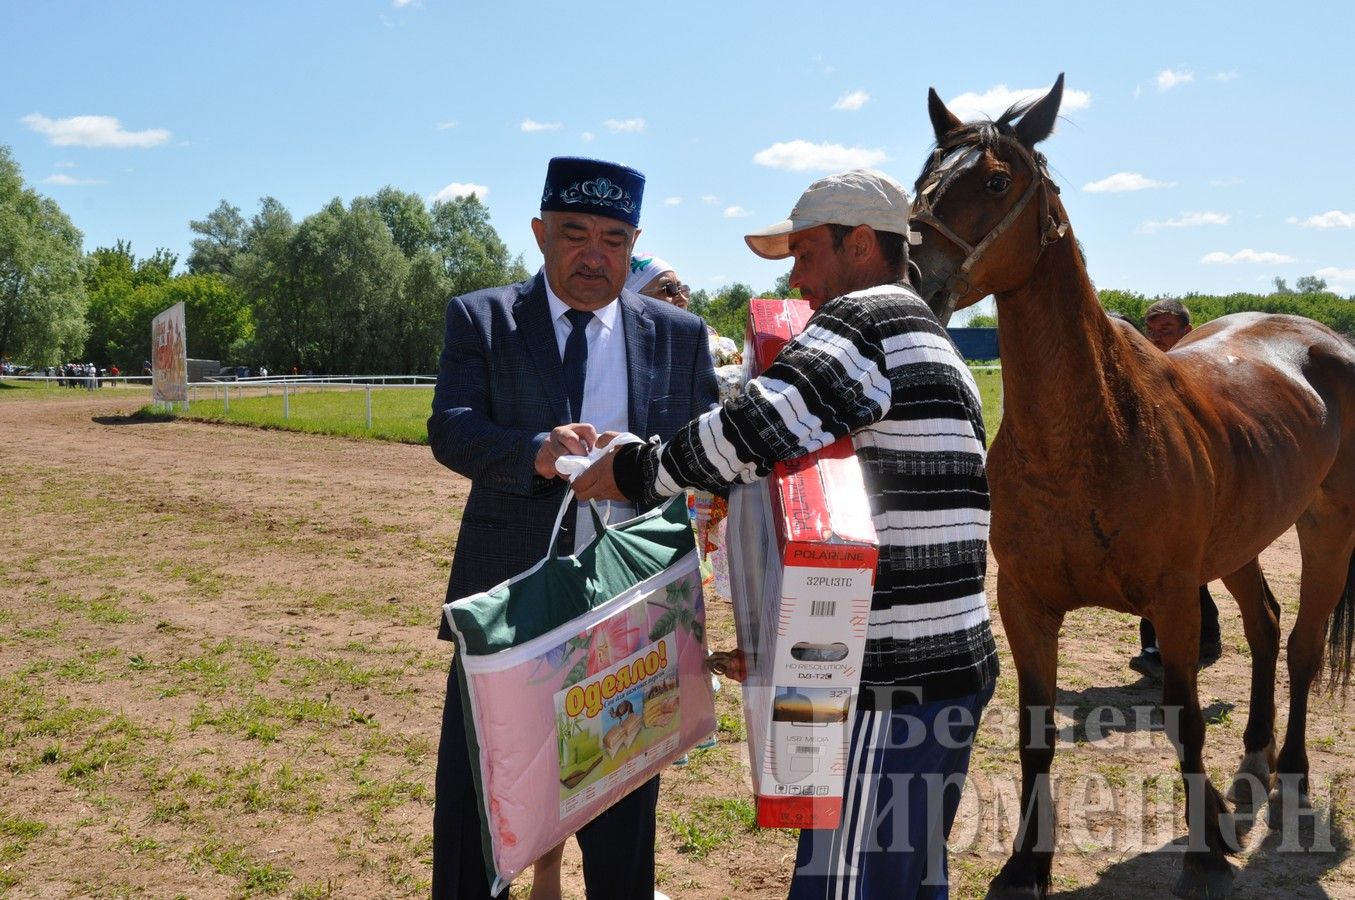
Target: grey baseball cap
858,197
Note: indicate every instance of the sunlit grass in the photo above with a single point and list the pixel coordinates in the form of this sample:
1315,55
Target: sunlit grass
401,414
398,414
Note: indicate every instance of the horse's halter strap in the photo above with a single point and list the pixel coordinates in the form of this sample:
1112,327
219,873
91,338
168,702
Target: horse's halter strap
924,210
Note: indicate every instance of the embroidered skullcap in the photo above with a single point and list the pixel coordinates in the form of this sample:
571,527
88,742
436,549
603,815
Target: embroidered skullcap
576,184
643,270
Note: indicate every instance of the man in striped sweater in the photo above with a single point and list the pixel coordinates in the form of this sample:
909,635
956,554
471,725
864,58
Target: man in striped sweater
873,362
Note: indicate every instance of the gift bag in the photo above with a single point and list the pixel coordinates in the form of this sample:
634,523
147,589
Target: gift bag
583,677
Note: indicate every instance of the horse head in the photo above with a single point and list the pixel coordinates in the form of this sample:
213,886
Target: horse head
981,232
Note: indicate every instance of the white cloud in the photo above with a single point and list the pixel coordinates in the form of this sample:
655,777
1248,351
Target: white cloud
1331,219
625,126
93,131
530,125
458,189
587,137
1124,181
997,100
736,212
1223,76
443,126
1246,256
672,201
853,100
68,180
1187,220
401,4
1340,281
801,156
709,199
1168,79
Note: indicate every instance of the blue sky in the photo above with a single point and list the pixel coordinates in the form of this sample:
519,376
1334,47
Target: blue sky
1204,146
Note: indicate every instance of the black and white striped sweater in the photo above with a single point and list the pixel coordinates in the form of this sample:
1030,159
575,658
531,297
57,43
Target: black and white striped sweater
878,365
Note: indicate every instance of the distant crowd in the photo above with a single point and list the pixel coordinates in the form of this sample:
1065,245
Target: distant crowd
79,375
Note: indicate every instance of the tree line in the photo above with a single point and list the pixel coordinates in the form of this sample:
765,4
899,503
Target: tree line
357,288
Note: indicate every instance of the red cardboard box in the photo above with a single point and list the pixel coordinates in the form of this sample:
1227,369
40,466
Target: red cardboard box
803,553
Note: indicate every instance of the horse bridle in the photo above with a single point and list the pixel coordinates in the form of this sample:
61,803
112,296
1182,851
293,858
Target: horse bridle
924,212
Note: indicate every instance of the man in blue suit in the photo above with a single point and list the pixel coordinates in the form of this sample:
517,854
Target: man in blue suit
529,372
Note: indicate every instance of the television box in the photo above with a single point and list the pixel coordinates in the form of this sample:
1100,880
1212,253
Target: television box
803,553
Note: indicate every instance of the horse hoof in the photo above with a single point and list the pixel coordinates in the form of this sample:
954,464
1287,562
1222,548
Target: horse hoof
1022,886
1205,882
1030,892
1286,802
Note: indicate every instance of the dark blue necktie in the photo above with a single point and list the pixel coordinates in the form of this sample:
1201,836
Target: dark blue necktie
576,361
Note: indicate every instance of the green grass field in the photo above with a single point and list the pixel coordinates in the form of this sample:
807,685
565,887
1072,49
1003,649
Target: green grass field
400,414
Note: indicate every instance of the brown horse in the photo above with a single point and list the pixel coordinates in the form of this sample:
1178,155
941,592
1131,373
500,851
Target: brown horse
1125,477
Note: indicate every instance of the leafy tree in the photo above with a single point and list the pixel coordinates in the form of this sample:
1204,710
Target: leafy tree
265,277
782,288
350,274
1281,287
473,255
726,311
363,288
42,297
981,321
126,293
223,239
411,227
1310,284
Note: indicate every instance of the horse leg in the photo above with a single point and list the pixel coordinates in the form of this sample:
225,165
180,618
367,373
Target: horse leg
1261,622
1326,543
1033,634
1205,873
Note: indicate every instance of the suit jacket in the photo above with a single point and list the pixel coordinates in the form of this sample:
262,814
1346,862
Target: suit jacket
501,390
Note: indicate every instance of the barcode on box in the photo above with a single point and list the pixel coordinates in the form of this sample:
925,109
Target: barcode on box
822,608
801,748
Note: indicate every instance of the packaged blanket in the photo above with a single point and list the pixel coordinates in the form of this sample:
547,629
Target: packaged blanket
583,677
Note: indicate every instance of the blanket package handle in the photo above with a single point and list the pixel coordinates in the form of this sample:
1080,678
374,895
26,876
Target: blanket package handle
582,678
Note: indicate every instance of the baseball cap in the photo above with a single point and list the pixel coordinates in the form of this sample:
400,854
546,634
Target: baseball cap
858,197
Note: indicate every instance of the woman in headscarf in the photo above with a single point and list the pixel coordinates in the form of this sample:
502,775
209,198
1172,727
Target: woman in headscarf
655,278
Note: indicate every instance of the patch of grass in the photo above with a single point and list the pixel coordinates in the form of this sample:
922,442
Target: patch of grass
233,862
114,745
260,718
16,833
337,670
398,413
732,724
709,823
85,666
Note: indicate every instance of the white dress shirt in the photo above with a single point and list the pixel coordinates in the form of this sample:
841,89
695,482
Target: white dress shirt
606,392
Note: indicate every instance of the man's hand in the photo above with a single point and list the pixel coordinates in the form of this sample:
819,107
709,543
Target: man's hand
565,440
598,482
729,663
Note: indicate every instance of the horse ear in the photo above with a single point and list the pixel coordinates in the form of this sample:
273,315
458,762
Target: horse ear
1038,122
943,120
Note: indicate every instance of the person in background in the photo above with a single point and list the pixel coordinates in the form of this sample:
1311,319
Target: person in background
1165,323
656,279
874,363
530,372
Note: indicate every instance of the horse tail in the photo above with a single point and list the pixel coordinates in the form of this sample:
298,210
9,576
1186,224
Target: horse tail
1341,635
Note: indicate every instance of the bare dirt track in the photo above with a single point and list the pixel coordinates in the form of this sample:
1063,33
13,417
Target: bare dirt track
219,677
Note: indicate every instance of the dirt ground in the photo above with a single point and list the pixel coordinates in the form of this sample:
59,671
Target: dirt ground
219,677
